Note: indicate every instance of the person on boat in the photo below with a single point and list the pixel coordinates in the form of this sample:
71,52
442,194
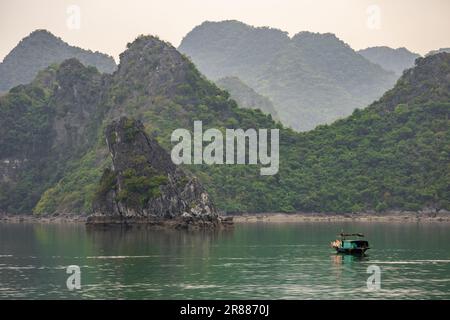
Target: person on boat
336,244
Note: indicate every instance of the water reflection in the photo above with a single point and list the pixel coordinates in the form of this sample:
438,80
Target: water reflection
168,242
348,259
287,261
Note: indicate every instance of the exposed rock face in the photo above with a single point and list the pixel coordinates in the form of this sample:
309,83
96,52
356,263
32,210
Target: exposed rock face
144,186
152,65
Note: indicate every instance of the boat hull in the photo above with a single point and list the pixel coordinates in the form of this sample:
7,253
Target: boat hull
355,251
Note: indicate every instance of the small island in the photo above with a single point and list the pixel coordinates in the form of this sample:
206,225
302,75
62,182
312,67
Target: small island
145,187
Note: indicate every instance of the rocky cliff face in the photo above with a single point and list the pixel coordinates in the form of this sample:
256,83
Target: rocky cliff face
44,125
53,128
144,186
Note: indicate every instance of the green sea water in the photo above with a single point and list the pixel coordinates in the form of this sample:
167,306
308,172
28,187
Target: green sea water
253,261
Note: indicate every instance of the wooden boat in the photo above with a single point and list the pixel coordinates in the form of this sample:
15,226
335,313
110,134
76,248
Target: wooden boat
348,243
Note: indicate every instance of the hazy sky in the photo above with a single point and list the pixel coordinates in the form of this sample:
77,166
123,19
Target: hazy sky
107,25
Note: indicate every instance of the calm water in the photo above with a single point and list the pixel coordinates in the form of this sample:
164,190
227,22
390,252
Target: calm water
271,261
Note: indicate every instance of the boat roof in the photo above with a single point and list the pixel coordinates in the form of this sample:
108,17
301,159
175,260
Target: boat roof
351,235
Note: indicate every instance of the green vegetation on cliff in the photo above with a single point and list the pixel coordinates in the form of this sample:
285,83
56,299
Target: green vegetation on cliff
46,128
392,155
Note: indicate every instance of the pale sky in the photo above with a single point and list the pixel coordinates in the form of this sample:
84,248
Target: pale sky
108,25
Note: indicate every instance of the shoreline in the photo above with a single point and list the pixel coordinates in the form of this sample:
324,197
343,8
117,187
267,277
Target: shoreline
441,217
269,217
28,218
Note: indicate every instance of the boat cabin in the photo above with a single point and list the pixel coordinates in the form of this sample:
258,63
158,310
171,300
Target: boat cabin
350,246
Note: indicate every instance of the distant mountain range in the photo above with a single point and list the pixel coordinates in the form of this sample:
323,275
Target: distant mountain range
303,81
311,78
396,60
247,97
39,50
438,51
392,155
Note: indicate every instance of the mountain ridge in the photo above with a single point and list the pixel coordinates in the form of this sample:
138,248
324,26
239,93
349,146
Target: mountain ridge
41,49
396,60
311,78
247,97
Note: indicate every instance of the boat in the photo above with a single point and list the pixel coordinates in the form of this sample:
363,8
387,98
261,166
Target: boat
349,243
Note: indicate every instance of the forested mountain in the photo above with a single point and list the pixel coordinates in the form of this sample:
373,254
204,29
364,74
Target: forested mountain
39,50
396,60
438,51
246,97
392,155
311,78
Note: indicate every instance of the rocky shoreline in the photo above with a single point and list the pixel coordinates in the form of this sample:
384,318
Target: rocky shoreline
228,220
395,216
109,221
29,218
181,223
